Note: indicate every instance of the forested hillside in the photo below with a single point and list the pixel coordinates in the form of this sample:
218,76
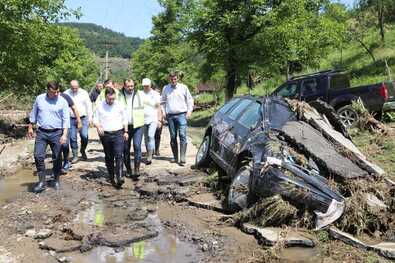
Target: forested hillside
98,39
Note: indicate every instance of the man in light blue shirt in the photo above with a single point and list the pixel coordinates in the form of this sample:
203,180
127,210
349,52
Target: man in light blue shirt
51,115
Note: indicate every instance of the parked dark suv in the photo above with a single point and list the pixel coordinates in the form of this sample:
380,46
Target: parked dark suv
257,142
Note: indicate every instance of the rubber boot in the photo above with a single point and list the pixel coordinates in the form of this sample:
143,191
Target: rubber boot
183,151
75,156
174,149
41,185
119,173
56,183
83,155
136,173
149,157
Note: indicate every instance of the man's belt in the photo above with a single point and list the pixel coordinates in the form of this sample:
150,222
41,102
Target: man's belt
175,114
48,130
113,132
81,117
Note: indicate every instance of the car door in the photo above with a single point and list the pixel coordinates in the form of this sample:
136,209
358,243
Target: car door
310,90
228,138
244,125
288,90
219,125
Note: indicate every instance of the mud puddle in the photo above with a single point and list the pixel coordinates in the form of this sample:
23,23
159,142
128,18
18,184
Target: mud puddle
166,247
11,186
297,254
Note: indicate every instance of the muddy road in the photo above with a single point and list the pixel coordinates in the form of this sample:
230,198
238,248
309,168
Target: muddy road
90,221
169,215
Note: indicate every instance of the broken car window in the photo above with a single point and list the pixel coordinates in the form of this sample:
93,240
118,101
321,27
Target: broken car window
228,105
289,90
251,116
239,109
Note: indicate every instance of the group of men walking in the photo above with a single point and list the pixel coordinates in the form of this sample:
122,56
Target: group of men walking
120,116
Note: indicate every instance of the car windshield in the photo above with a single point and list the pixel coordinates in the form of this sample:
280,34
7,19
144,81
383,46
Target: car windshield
276,113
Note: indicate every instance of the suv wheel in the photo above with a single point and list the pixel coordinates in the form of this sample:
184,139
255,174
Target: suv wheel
348,116
203,159
239,191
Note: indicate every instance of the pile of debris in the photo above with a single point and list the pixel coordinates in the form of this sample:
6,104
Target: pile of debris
363,199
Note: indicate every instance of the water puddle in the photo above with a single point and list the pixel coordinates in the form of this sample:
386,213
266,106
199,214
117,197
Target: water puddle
166,247
297,254
11,186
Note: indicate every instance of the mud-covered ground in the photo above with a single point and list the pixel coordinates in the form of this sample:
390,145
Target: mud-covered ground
169,215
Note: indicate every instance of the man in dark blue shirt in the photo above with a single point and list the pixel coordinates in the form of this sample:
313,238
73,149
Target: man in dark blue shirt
52,116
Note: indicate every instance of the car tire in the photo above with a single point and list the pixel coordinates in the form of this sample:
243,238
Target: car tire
348,116
239,190
203,158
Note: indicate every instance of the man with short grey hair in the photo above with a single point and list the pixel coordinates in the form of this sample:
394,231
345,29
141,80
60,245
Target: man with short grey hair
84,107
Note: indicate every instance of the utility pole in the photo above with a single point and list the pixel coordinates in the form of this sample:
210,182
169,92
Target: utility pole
106,68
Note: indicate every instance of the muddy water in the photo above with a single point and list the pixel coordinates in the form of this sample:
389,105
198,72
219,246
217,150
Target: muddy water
11,186
166,247
296,254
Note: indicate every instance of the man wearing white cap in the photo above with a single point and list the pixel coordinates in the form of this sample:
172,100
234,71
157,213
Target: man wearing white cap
152,117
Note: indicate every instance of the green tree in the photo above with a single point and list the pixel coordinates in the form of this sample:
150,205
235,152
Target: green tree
167,49
384,11
33,48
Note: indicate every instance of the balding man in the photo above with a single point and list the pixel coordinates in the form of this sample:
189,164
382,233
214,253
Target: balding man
84,107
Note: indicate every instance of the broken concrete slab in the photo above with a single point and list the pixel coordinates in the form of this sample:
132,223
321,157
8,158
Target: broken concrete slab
269,236
41,234
385,249
207,201
60,245
311,141
346,238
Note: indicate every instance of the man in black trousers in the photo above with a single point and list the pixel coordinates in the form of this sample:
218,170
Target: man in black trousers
111,123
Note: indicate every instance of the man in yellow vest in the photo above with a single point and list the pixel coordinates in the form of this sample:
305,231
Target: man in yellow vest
133,101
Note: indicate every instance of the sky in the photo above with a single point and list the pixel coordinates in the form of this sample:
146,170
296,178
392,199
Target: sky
131,17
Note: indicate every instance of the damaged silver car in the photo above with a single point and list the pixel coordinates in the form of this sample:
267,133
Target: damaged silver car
273,146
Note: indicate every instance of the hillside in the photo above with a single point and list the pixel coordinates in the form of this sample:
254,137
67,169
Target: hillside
97,37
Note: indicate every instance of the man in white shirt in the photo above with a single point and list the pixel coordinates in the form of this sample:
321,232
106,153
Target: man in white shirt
177,103
111,123
84,107
152,117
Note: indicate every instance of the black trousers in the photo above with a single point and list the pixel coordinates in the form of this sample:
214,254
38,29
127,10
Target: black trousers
158,135
113,143
137,135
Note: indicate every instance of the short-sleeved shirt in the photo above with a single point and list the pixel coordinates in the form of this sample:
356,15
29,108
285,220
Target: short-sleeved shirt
68,99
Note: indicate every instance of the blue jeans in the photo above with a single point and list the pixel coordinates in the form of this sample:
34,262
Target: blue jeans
137,136
177,125
43,139
149,135
83,133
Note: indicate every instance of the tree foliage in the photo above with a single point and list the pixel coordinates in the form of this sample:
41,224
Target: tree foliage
33,49
99,39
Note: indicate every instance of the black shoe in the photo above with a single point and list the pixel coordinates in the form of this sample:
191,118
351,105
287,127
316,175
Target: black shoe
120,180
157,153
41,185
111,180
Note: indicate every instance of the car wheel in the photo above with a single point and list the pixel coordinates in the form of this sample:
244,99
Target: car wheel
203,158
348,116
239,191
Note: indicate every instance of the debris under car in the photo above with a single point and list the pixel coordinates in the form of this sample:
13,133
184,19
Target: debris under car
293,163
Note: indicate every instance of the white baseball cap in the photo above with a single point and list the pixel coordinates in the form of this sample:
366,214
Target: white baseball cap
146,82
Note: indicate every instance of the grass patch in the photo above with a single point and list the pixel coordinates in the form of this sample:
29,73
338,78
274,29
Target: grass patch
202,118
196,134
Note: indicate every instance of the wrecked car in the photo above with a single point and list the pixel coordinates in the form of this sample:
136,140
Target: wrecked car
274,146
